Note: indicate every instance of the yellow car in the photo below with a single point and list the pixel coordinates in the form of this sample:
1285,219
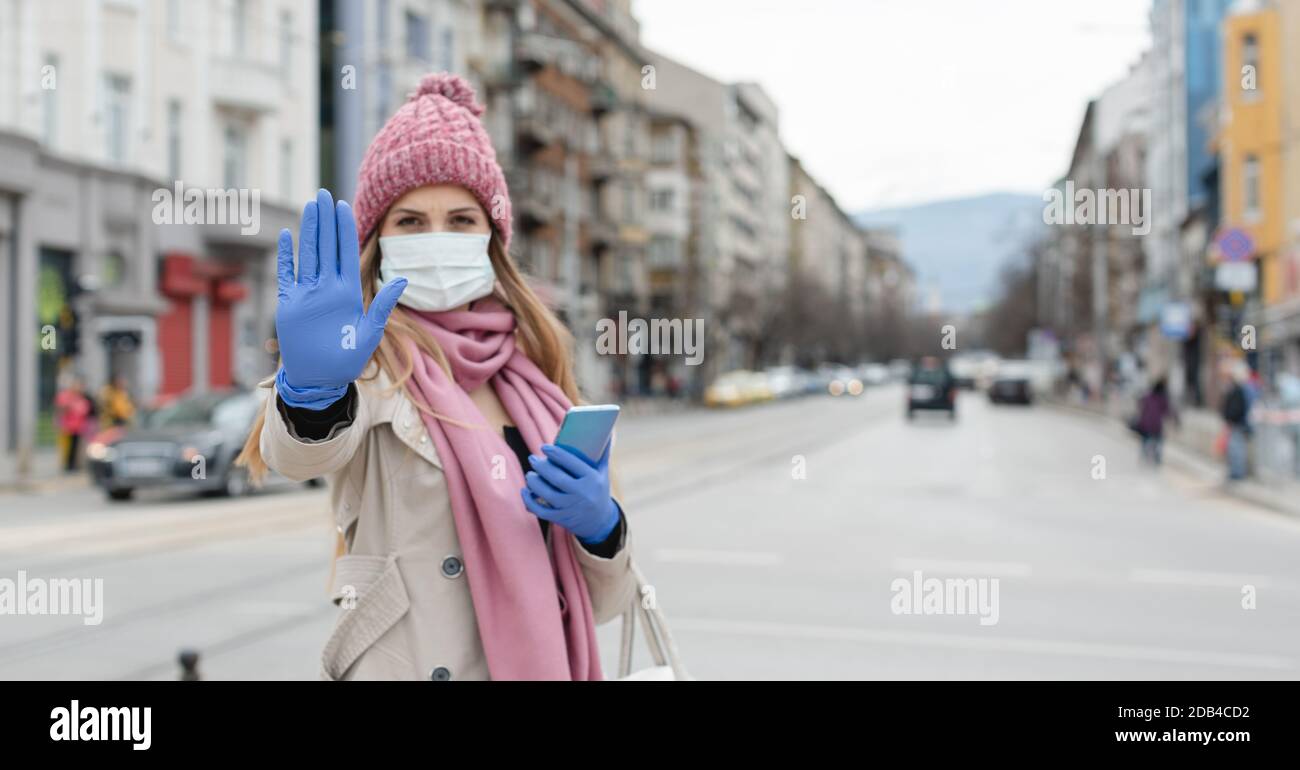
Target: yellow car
738,388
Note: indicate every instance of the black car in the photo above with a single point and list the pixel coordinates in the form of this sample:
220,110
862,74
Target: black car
190,443
931,387
1011,390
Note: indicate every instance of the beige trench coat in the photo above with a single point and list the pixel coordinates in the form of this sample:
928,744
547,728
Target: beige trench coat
405,610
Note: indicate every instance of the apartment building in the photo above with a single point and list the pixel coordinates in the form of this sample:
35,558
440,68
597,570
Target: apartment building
150,150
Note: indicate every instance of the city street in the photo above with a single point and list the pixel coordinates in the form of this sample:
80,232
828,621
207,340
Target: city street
763,574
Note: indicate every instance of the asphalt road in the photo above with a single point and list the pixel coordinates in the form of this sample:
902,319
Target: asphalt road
776,538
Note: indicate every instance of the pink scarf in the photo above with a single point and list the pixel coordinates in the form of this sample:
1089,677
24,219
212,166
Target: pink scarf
533,609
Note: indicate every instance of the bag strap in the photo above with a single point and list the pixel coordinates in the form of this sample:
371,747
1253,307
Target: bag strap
659,638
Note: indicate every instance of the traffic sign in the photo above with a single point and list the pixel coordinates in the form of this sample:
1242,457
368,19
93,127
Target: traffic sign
1235,244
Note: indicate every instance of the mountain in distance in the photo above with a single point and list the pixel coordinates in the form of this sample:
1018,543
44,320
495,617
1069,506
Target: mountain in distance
958,246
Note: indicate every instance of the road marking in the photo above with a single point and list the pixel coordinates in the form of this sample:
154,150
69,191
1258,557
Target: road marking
1178,577
986,643
728,558
999,568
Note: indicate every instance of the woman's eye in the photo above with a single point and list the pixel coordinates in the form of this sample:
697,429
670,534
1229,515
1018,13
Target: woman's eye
463,221
407,222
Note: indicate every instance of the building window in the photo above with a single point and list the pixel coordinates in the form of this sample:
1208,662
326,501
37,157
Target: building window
629,138
174,139
665,148
174,20
50,106
286,169
664,252
417,36
447,44
661,200
381,25
1250,185
113,270
235,158
629,203
286,45
238,26
1250,57
117,114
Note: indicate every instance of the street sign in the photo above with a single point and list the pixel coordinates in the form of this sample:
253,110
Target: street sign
1235,276
1235,244
1176,320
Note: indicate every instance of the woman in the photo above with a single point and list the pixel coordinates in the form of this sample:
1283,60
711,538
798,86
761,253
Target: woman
1154,409
117,409
422,375
74,415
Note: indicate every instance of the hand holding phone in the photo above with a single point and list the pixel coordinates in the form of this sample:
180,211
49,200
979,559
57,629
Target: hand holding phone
566,485
587,430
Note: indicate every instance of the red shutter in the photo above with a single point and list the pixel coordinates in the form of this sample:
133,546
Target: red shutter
220,332
175,343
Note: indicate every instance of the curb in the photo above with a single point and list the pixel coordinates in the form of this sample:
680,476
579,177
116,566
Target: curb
1195,462
44,485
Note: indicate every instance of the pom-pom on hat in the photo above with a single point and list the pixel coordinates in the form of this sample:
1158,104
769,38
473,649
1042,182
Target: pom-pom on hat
436,137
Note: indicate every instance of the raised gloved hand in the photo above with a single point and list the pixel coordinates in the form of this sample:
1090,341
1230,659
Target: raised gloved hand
576,493
326,336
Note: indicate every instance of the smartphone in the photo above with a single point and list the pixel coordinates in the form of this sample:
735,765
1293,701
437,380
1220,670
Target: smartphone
587,430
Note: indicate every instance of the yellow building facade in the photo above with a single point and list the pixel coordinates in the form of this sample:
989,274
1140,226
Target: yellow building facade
1250,141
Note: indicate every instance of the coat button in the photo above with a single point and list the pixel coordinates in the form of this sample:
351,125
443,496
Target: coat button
424,437
440,674
452,567
406,423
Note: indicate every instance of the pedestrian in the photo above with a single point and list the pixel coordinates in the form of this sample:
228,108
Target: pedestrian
73,412
1288,391
115,405
432,423
1154,409
1235,410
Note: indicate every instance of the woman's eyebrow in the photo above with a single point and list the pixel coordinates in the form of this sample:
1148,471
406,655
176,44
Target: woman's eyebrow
464,209
408,211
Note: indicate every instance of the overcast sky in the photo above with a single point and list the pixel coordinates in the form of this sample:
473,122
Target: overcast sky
892,102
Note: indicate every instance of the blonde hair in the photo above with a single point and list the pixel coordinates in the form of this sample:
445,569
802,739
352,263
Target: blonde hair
539,334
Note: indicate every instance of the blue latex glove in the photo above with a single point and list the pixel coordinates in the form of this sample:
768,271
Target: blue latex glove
326,336
576,493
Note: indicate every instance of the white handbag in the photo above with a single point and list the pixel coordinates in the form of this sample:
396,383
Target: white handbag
659,639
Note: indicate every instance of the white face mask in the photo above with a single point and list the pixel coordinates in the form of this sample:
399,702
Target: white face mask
442,270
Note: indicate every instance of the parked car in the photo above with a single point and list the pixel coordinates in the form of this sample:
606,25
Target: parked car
190,443
900,369
931,387
786,381
873,375
843,380
1013,383
737,388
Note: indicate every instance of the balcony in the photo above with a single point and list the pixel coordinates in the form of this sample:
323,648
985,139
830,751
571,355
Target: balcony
533,135
246,85
601,167
535,51
603,99
601,233
536,196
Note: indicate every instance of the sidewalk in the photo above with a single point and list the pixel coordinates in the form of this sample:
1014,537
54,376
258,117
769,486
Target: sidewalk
1191,448
46,475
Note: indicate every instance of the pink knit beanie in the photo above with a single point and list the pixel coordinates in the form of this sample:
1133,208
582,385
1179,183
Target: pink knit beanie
434,138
